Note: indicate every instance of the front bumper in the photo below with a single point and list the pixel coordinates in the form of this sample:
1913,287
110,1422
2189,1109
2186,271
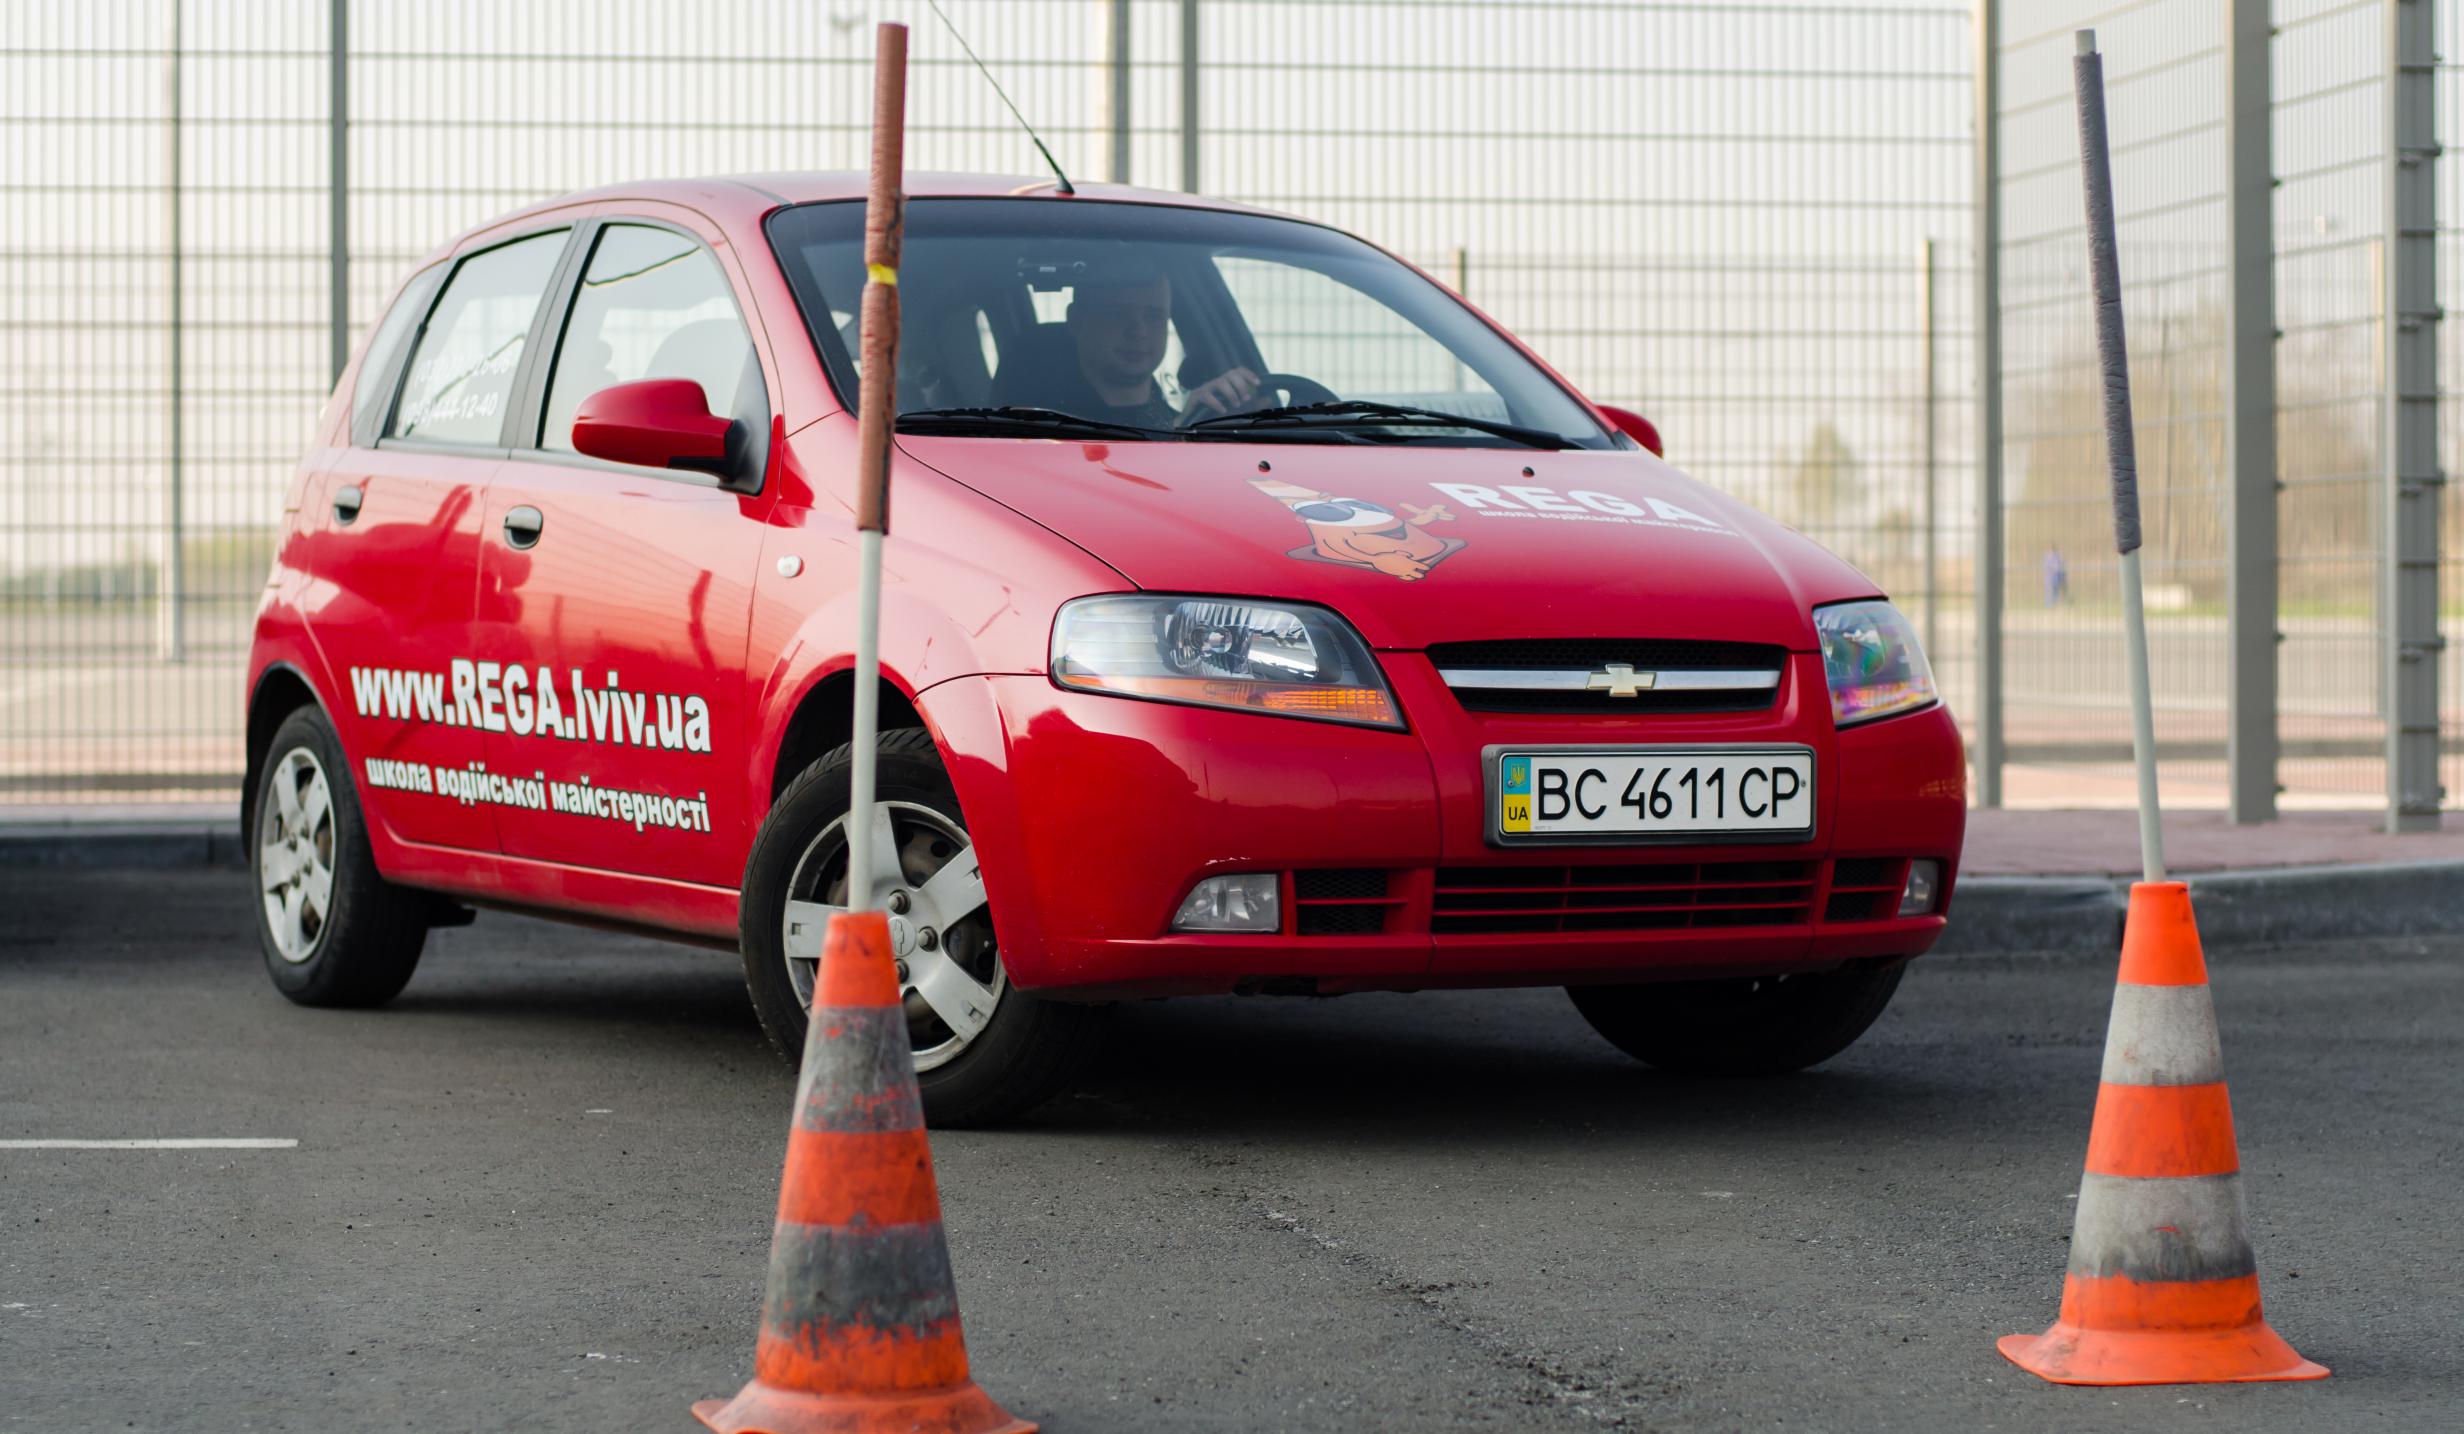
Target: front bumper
1094,815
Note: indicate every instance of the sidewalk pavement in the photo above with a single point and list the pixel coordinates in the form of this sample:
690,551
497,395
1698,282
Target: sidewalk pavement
2030,880
2106,842
2060,880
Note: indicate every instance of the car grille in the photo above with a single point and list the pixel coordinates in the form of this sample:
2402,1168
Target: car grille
1661,896
1865,888
1484,675
1341,902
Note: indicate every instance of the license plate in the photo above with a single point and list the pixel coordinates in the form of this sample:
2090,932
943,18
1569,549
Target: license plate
1575,794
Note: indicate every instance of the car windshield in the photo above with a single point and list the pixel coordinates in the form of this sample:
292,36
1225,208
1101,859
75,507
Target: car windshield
1073,317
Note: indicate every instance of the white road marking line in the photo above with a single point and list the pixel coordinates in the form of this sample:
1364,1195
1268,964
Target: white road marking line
209,1143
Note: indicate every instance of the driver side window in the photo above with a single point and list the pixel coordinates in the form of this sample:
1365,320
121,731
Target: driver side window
1310,324
653,304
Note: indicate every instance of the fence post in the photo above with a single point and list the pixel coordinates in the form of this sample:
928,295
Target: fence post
338,188
2410,477
2251,742
170,628
1116,91
1987,725
1189,96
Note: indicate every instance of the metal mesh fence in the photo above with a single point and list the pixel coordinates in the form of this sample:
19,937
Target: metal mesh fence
1717,213
1750,221
124,598
2332,163
2062,629
2165,66
2329,138
2450,177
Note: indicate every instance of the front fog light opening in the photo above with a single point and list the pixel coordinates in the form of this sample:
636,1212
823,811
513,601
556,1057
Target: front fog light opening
1251,901
1924,885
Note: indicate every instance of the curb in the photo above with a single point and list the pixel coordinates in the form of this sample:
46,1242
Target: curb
124,844
1991,915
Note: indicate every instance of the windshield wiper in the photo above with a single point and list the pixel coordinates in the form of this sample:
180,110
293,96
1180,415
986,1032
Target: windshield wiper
1357,411
1011,418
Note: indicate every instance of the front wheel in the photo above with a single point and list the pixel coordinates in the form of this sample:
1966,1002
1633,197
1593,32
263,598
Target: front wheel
984,1050
1761,1025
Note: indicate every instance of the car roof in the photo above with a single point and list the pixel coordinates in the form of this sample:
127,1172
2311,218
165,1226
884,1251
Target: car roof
746,197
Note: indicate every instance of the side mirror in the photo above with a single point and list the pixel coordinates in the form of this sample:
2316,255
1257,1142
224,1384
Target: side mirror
1633,425
657,423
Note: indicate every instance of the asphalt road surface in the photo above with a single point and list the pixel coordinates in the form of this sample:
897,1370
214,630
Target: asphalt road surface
536,1194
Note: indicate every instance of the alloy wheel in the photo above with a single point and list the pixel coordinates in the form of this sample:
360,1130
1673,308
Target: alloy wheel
295,854
925,877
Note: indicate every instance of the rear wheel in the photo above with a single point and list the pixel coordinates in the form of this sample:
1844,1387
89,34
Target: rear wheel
984,1050
334,932
1761,1025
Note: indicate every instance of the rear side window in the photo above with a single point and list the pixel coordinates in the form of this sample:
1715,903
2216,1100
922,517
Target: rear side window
462,374
376,367
653,304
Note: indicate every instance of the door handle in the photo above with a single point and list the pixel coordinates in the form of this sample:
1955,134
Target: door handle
522,526
346,504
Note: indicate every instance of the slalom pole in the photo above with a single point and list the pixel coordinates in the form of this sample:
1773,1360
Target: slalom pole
2121,451
885,223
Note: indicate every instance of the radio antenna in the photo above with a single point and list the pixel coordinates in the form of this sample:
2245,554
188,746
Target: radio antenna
1066,186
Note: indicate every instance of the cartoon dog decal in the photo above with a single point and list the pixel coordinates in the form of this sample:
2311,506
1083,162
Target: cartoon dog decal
1359,534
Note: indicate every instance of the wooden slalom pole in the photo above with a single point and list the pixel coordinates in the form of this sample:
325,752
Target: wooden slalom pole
885,227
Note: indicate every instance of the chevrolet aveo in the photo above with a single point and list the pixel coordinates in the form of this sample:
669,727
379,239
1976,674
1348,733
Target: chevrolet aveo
1257,618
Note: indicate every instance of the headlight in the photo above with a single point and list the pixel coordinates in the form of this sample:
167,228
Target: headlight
1284,658
1871,658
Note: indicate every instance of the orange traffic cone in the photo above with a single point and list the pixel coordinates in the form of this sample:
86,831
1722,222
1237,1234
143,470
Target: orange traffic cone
859,1328
2162,1288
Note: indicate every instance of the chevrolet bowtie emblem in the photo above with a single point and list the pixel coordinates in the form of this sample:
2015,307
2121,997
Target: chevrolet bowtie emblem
1619,680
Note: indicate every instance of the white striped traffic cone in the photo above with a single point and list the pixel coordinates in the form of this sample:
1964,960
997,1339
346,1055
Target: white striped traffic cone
2163,1287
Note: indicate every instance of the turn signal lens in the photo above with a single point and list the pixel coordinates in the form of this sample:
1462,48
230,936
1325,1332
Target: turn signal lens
1349,704
1289,659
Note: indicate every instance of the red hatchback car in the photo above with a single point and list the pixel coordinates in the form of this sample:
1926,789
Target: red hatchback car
1258,618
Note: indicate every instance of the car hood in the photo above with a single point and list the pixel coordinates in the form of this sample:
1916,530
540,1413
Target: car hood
1420,545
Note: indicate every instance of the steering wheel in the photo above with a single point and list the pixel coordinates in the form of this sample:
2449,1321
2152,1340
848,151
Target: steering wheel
1276,390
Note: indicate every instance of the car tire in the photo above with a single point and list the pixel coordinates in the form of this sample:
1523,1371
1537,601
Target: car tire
1028,1049
1765,1025
334,932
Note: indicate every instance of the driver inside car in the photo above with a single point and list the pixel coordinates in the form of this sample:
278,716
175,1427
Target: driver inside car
1118,327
